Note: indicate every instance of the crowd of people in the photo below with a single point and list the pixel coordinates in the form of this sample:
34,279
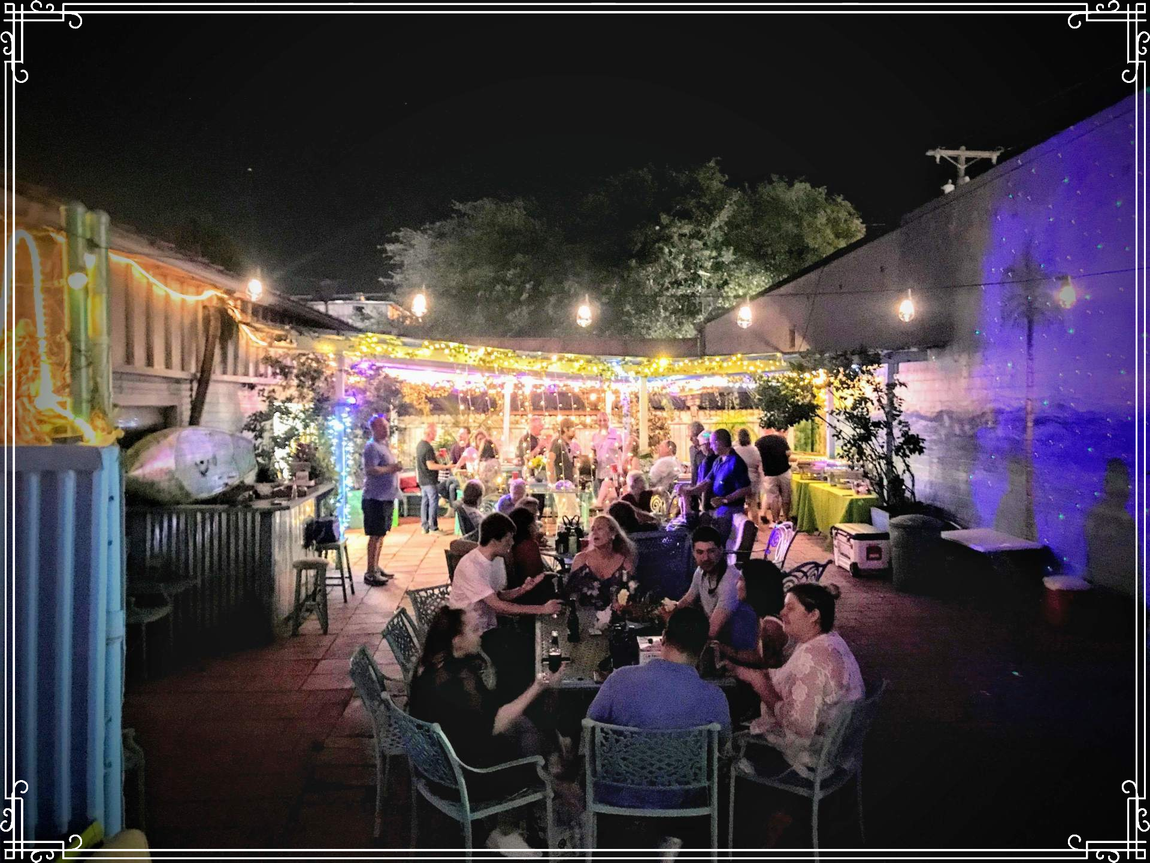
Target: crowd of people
476,676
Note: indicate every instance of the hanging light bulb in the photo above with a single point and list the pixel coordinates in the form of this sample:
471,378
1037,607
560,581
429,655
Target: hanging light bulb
89,260
77,280
419,305
255,289
743,319
906,309
1067,295
583,316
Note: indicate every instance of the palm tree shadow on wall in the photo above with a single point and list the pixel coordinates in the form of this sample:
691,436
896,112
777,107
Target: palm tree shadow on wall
1110,533
1029,303
1015,514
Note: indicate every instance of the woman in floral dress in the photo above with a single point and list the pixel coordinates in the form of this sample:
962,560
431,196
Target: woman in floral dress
599,572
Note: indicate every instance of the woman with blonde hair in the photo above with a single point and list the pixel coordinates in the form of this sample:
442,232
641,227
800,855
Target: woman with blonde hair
598,572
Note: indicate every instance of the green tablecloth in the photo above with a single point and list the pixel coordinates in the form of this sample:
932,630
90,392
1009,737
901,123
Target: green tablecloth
815,506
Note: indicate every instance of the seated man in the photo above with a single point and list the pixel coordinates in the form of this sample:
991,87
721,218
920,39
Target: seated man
715,586
467,509
665,693
516,492
481,584
667,469
637,493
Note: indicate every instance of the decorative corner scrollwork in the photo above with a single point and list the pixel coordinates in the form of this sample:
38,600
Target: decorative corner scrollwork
1133,15
16,17
1133,847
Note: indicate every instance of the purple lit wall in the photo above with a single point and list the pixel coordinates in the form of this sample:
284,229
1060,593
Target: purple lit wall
1062,209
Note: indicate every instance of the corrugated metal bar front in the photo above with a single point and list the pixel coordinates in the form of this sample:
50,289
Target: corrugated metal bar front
224,552
69,621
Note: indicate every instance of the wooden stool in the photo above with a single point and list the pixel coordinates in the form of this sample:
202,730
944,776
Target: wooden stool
342,555
310,597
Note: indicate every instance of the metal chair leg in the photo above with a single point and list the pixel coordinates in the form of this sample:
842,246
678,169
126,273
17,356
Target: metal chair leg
414,810
858,794
350,574
467,838
342,574
815,826
549,802
321,600
731,818
296,609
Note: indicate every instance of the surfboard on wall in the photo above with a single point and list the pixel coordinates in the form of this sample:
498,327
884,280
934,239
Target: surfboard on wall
190,464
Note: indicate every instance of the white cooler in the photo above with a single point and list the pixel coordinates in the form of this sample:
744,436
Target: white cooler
860,547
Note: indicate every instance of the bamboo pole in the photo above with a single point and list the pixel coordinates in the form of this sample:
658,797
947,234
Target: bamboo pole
76,304
100,315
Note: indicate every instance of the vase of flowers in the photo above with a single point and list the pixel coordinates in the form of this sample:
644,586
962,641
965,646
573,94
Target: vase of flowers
538,467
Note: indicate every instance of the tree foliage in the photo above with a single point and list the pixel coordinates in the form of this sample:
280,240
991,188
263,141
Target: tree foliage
658,250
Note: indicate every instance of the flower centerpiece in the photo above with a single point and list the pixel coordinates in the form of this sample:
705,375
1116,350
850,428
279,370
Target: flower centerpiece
634,604
537,466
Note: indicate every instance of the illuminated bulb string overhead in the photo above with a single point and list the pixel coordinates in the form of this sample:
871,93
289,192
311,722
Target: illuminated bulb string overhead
906,308
419,305
583,315
744,317
1067,295
255,289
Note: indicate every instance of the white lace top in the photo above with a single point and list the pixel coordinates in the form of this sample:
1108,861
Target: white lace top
821,673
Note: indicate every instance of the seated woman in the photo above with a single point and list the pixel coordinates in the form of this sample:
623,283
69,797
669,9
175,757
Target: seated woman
527,559
798,698
468,508
631,519
637,494
598,572
760,588
485,446
451,687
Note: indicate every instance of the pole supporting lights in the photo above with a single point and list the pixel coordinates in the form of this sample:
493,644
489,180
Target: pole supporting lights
906,308
743,319
583,315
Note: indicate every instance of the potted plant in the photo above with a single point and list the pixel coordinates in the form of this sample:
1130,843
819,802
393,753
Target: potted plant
266,477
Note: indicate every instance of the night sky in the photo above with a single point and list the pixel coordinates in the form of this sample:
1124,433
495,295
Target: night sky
354,127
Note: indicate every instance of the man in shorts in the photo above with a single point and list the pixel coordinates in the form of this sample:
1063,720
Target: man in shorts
380,492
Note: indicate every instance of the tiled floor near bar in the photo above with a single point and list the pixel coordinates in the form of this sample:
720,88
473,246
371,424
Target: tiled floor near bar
998,729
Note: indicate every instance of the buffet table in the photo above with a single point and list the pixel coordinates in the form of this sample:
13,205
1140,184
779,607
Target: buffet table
816,506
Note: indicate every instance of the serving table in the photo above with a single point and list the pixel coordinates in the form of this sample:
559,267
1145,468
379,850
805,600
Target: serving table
816,505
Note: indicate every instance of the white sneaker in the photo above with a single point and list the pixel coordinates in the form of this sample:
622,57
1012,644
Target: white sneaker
512,845
670,846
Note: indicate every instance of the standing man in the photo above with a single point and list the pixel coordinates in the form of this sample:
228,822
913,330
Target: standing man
776,455
560,465
728,482
380,492
531,444
695,452
427,468
607,444
448,484
749,453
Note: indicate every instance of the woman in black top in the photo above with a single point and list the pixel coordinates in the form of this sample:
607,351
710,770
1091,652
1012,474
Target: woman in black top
453,686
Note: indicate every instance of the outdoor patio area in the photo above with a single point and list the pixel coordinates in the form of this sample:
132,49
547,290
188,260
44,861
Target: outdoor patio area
998,729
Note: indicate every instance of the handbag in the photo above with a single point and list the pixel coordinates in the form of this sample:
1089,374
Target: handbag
320,531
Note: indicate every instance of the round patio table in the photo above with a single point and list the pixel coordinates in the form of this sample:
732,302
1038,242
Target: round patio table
816,506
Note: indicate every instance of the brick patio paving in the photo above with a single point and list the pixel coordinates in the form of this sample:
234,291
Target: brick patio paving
997,730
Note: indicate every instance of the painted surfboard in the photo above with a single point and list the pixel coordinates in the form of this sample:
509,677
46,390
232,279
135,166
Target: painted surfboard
186,465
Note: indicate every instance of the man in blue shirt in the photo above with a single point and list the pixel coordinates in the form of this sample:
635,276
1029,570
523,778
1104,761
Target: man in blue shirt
728,482
665,693
380,491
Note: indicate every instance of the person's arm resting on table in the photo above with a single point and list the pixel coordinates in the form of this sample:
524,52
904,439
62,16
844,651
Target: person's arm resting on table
502,606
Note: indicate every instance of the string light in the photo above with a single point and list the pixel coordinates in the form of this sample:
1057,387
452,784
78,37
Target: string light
255,289
583,315
1067,295
419,305
744,317
906,309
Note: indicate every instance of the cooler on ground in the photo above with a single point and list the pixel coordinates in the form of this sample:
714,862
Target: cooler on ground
860,548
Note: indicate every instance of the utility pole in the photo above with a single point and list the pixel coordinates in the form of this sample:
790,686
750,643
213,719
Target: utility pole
961,159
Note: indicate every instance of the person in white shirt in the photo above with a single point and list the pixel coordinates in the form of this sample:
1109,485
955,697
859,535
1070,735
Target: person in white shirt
749,453
480,584
608,445
667,469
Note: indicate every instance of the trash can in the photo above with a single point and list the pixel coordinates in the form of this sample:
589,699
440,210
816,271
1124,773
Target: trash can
917,558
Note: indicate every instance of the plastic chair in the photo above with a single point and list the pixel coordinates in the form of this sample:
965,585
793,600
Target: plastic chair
810,571
371,684
426,602
840,759
401,636
435,766
664,761
779,543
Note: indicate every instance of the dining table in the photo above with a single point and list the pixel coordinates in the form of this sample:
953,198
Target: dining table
817,505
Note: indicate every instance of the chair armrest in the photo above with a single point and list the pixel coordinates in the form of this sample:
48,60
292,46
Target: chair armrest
537,760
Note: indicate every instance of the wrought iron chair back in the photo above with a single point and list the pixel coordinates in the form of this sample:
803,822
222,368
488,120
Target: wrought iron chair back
427,748
811,571
371,685
426,602
401,636
779,543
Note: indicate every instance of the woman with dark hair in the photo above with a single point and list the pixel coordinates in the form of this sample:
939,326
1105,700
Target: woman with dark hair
799,698
599,571
527,559
451,686
468,508
760,588
625,515
485,446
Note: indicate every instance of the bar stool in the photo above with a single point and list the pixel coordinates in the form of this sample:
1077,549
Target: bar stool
310,597
342,555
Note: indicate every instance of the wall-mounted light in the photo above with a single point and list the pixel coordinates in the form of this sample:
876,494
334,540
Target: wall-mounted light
255,289
743,319
1067,295
906,308
583,315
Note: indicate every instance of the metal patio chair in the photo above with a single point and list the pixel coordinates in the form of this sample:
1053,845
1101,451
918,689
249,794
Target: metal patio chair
403,639
840,759
441,778
811,571
371,684
679,762
779,543
426,602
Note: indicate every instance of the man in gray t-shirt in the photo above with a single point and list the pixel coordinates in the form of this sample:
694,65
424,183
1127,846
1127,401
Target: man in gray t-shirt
380,491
